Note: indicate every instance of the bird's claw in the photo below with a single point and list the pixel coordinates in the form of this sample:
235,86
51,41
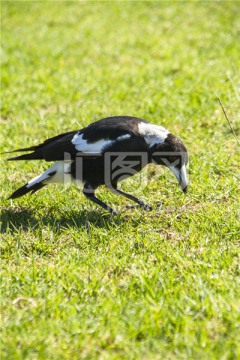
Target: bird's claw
146,207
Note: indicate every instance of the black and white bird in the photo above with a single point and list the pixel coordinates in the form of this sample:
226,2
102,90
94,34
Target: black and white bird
100,154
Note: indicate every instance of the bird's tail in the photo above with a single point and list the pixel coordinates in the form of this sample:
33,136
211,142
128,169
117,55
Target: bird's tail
26,189
37,183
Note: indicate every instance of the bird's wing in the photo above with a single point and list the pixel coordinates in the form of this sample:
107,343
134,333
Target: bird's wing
96,138
53,149
109,134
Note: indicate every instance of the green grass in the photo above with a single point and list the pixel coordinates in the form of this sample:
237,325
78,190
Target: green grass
76,282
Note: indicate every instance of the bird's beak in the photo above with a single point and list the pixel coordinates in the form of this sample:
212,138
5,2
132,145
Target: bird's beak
181,175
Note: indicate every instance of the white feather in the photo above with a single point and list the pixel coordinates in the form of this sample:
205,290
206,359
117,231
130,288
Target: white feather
62,175
153,134
96,147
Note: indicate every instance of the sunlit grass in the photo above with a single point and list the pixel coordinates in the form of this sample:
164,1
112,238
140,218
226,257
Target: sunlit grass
78,283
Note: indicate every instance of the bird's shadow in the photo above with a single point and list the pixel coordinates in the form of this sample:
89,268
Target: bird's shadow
26,219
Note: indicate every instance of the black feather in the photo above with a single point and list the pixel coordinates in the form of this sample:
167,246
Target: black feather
55,148
24,190
111,128
52,149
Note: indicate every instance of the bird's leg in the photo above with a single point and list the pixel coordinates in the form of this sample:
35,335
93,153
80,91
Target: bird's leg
140,202
89,192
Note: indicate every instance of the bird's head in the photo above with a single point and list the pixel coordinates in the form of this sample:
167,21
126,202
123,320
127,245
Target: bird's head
173,154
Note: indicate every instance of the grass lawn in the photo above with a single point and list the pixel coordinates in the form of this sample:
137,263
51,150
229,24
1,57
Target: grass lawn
78,283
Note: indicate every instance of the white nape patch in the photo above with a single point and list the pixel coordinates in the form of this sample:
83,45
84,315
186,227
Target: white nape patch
96,147
153,134
62,175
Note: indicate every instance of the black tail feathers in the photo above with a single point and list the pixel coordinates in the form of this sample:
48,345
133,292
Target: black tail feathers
31,156
24,190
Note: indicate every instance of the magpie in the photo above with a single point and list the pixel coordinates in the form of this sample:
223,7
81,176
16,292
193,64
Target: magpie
104,153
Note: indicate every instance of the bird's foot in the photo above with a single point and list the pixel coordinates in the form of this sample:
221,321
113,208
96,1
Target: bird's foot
142,205
114,212
146,207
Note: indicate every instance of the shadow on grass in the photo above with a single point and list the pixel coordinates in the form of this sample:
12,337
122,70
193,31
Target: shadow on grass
28,219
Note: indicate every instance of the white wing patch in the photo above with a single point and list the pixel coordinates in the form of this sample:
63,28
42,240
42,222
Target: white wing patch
153,134
123,137
96,147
